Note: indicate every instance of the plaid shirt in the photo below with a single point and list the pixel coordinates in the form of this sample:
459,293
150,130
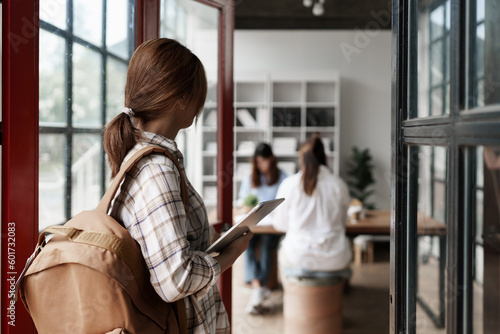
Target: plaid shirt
149,205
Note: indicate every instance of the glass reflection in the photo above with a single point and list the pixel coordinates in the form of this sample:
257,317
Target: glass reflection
196,26
116,75
433,58
85,172
51,79
431,241
51,186
484,56
86,87
53,12
486,246
87,16
71,94
117,27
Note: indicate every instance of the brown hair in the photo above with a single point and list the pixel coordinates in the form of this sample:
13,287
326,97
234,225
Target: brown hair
162,75
265,151
312,156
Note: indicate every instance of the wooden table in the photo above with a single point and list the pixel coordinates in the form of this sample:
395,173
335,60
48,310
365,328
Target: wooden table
377,222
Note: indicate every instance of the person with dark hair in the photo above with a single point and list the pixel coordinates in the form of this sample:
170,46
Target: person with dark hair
263,182
165,91
313,215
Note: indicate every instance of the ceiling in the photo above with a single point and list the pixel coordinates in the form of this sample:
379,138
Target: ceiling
291,14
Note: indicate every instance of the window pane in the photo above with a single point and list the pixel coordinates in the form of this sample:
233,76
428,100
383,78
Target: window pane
86,172
88,20
437,23
480,10
430,247
439,198
440,163
116,75
53,12
437,69
479,215
168,17
484,57
433,58
51,79
71,96
437,101
52,180
117,27
196,26
86,87
486,248
479,167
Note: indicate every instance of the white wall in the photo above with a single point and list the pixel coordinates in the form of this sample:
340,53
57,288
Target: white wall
364,64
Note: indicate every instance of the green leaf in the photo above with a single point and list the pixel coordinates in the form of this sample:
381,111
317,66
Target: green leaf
360,174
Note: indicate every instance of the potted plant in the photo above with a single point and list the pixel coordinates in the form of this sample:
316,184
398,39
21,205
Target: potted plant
361,176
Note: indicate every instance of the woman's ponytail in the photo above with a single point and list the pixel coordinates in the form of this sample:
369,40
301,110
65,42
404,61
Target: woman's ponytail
120,136
312,156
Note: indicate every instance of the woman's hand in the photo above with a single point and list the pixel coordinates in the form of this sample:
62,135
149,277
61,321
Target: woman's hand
232,251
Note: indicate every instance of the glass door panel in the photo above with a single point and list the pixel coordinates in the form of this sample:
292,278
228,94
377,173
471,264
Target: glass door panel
484,81
485,242
83,58
433,75
197,27
426,254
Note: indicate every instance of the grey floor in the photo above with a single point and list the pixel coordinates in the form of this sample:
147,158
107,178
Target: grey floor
365,306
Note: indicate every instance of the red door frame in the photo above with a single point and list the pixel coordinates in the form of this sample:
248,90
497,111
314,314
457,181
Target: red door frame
149,27
19,151
20,137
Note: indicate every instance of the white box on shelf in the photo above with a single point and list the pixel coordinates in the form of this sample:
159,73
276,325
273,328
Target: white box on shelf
284,145
246,118
246,147
288,167
263,117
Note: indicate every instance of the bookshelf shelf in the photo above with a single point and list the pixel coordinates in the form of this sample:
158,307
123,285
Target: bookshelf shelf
282,109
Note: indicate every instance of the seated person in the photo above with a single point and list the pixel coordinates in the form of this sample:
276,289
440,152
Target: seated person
313,216
263,182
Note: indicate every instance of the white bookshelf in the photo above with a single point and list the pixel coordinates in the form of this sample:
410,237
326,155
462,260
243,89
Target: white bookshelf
286,109
281,109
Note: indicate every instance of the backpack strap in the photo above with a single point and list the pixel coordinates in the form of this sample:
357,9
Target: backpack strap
105,202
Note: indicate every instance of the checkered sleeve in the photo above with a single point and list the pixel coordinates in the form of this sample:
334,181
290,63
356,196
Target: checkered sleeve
161,228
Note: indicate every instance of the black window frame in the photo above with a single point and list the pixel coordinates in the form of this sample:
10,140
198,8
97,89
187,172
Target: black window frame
464,128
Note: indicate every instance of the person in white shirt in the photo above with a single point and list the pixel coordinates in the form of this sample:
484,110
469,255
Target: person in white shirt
313,215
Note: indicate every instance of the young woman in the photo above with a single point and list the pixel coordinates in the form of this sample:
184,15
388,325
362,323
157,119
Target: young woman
263,182
313,215
165,91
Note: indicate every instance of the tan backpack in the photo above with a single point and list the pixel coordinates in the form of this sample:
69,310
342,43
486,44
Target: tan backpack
91,277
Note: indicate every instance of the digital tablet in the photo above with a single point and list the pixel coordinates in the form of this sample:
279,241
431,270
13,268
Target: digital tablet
251,219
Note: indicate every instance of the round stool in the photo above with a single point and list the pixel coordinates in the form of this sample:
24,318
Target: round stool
313,305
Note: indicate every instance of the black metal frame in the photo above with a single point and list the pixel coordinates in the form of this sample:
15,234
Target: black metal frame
459,131
68,129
